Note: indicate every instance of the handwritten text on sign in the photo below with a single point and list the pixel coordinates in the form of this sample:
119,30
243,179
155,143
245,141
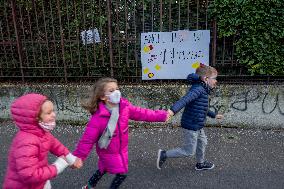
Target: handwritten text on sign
173,55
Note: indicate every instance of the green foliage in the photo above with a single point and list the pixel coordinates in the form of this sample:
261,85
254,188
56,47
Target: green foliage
259,30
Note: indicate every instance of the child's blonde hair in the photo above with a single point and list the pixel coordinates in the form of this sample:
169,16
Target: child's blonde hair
91,104
205,71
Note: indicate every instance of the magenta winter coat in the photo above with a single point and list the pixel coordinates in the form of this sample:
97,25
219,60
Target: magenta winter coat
28,166
114,159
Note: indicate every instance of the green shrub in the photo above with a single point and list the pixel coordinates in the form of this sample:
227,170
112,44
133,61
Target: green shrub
258,27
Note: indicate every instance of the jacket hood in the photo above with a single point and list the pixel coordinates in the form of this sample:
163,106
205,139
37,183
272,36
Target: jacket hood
25,110
193,78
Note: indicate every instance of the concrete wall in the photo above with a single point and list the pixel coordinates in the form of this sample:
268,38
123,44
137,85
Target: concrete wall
242,105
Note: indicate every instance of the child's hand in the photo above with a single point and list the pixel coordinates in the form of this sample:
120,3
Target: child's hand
170,112
63,157
77,164
169,115
219,116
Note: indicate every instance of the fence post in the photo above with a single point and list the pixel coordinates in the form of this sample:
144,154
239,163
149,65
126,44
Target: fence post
110,37
19,44
62,41
214,43
161,15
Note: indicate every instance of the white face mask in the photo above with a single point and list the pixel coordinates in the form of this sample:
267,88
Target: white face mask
47,126
114,97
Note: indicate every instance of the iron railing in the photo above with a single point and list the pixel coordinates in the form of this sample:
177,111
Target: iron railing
40,39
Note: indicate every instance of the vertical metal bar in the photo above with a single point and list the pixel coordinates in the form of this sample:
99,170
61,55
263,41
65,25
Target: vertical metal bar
32,41
223,52
53,32
161,20
37,26
206,16
187,24
152,9
62,40
45,31
69,34
197,14
126,32
77,36
214,44
233,49
94,44
110,37
179,14
86,46
9,34
24,36
161,15
101,30
4,47
19,45
68,28
143,15
118,31
170,15
135,32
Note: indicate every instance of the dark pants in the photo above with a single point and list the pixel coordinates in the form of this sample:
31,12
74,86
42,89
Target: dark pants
116,182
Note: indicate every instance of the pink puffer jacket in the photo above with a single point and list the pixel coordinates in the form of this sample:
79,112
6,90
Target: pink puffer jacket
114,159
28,166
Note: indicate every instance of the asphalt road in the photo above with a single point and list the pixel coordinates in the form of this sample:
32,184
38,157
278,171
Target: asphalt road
244,158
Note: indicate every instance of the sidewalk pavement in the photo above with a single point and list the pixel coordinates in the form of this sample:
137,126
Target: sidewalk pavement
243,158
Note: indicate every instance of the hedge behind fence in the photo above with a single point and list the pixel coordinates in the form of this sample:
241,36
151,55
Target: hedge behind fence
258,27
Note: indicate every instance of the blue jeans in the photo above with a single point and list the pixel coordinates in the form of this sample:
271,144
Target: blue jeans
194,142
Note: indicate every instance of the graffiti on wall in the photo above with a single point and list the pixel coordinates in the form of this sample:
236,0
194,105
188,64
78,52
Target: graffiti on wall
270,102
66,100
232,99
225,100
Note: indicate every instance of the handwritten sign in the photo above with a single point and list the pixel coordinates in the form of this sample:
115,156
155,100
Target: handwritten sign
173,55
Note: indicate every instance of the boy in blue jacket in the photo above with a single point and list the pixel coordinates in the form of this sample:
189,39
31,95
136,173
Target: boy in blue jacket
196,108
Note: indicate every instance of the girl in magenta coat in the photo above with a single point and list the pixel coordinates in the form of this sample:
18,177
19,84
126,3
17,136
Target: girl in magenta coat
108,129
28,166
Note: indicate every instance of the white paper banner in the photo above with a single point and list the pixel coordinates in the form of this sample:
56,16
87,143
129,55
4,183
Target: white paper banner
173,55
90,36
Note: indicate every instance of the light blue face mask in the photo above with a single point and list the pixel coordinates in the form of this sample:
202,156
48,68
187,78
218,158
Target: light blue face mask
114,97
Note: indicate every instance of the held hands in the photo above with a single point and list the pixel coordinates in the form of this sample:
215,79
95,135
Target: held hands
170,113
73,161
77,164
219,117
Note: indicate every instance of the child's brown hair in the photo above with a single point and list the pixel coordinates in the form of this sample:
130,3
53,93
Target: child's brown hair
91,104
205,71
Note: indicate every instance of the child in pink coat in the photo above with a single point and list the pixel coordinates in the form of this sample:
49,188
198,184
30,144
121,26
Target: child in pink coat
108,129
28,166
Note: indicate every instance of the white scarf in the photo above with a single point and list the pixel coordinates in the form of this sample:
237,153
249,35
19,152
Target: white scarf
109,130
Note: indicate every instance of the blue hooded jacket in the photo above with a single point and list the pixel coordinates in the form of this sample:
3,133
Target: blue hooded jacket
195,104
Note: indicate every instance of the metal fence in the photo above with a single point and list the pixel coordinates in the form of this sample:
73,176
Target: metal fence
40,39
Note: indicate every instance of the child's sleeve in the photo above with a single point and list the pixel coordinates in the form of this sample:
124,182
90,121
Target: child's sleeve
87,140
211,114
57,148
27,164
60,165
189,97
142,114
